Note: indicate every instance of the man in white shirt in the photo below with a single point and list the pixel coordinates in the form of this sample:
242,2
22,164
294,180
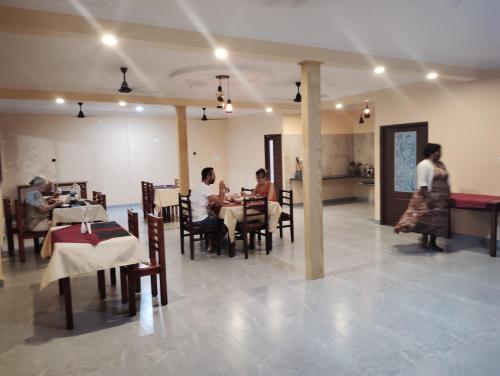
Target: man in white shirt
202,198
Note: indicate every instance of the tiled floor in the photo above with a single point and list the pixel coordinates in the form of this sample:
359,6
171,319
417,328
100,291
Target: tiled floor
384,308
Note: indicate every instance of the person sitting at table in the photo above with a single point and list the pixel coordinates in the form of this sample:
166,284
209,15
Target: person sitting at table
264,187
37,208
202,199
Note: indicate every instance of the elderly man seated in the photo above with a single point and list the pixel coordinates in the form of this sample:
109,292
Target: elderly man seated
37,209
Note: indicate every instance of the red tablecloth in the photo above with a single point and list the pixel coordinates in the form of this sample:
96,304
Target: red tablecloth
473,201
100,231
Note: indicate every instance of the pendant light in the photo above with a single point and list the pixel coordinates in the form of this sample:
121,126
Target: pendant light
298,97
361,120
366,110
229,105
219,94
80,115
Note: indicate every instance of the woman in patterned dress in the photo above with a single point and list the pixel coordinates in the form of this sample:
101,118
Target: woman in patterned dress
427,211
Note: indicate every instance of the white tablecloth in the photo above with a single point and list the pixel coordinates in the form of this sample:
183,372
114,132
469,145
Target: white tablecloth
165,197
234,214
72,259
74,214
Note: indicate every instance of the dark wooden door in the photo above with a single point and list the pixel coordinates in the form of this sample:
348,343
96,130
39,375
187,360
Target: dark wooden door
401,148
274,164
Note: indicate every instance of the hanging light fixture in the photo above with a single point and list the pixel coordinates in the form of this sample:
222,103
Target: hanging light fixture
298,97
366,111
220,92
229,105
361,120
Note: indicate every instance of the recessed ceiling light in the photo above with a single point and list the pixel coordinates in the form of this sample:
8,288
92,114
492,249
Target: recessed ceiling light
379,70
122,103
60,100
139,108
109,40
432,76
269,109
339,106
221,53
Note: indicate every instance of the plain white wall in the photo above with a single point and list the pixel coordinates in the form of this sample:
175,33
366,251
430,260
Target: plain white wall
112,153
246,146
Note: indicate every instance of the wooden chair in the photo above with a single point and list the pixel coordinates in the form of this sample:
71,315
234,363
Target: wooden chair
101,200
255,221
246,190
95,195
156,267
286,199
133,228
10,227
23,234
189,229
148,191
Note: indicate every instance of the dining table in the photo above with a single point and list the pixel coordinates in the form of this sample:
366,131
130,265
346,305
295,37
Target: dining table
72,213
165,198
72,253
231,212
478,202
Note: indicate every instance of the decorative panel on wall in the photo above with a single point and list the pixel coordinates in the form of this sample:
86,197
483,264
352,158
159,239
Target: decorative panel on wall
405,161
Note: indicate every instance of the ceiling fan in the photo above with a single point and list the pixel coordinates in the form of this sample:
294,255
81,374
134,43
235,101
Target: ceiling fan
124,88
205,118
80,115
298,97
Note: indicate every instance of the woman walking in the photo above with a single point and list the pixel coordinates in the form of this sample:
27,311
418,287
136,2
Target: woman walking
427,211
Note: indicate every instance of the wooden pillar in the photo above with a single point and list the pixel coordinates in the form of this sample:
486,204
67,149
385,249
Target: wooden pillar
312,179
182,143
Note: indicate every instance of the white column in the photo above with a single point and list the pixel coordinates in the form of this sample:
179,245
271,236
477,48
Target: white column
312,176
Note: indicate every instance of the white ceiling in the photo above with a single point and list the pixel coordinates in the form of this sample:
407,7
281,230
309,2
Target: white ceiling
455,32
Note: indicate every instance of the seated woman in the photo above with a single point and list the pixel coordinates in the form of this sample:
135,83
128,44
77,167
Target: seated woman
37,208
264,187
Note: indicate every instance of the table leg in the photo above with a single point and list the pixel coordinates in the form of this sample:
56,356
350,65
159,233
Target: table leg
131,277
101,283
67,302
493,231
61,288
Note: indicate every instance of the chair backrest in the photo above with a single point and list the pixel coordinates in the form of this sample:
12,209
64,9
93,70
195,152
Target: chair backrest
133,222
246,190
20,217
95,195
185,212
253,208
156,238
101,200
286,199
7,213
147,190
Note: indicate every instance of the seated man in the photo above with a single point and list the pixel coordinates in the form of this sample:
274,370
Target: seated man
37,208
202,198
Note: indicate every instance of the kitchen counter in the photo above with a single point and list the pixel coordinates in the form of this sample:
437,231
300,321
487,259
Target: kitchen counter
339,188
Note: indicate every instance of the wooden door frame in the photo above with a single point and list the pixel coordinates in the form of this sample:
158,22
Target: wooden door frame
382,128
266,154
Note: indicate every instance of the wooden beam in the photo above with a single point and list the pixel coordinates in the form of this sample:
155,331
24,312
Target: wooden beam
27,21
182,138
312,178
